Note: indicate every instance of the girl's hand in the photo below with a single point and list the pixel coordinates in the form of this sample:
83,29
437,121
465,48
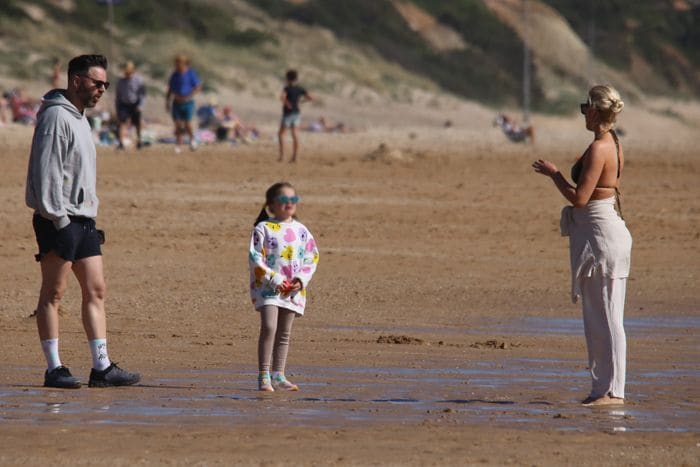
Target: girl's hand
544,167
284,287
296,286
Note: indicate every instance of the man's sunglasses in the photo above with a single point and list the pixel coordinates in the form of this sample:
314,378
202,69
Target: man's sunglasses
98,83
283,199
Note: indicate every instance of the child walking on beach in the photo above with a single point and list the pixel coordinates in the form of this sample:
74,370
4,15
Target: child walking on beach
283,257
292,96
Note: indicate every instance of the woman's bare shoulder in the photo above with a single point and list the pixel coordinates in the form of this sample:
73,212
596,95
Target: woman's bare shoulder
602,148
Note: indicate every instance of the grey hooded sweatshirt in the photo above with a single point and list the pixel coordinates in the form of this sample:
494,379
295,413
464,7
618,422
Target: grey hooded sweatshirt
62,164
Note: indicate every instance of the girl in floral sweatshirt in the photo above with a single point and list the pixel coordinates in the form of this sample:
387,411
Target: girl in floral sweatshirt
283,257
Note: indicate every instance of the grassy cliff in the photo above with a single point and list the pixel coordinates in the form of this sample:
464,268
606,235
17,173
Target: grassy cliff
362,49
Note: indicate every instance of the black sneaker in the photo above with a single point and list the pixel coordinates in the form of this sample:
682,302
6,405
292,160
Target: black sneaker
60,377
112,376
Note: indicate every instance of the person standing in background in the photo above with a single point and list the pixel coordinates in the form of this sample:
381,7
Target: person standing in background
131,94
184,83
292,96
56,73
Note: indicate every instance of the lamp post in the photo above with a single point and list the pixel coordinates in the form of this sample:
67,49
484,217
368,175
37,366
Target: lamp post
110,22
526,64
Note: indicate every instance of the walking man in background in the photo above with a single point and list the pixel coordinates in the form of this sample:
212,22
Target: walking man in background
61,183
179,100
131,94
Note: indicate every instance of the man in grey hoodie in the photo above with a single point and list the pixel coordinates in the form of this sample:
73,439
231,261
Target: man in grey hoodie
61,189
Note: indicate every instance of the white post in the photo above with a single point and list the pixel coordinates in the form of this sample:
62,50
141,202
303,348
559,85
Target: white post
526,64
110,25
590,72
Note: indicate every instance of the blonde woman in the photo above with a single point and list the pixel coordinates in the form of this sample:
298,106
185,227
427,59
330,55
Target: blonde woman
600,244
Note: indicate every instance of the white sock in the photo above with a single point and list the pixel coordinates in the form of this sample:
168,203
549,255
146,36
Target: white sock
50,348
98,349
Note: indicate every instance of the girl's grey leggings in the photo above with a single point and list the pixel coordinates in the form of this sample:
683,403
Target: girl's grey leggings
273,344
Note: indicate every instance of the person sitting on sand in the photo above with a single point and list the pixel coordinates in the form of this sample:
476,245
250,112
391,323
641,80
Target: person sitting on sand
231,125
600,244
323,126
514,131
208,115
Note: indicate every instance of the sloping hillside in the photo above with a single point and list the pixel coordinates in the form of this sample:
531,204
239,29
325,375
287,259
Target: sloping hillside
369,50
643,47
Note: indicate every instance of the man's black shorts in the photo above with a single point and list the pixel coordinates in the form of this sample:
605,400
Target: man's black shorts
129,112
79,239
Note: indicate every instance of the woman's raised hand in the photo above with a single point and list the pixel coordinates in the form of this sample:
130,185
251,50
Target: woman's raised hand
544,167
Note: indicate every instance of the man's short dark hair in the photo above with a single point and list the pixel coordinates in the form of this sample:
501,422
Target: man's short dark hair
81,64
292,75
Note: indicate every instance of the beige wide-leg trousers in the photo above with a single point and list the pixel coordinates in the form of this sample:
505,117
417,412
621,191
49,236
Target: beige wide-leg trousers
603,309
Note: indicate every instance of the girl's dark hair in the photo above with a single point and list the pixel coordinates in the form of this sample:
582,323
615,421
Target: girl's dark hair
270,195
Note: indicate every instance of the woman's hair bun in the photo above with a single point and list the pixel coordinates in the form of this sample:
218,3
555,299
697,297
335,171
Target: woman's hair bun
616,105
607,100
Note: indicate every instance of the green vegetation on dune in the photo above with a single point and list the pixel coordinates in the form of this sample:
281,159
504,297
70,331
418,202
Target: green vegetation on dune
372,49
667,38
484,71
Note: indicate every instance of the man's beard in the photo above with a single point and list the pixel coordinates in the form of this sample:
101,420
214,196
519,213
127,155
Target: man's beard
89,100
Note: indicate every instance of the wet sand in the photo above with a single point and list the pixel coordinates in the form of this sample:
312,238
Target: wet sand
439,328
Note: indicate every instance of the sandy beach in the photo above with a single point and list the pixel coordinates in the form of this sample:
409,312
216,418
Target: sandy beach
439,330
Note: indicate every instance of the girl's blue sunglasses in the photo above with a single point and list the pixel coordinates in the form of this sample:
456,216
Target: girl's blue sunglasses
283,199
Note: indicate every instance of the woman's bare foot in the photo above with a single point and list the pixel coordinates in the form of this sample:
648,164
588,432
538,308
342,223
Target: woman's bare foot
604,400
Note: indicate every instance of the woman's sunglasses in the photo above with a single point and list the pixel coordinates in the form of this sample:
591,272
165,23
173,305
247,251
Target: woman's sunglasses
584,107
283,199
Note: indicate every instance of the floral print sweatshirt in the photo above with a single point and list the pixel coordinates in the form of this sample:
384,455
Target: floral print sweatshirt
281,251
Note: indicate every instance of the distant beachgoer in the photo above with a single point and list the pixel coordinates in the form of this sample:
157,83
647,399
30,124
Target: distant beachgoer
184,83
291,97
4,109
283,257
208,114
514,131
230,125
22,108
61,181
600,244
56,73
323,126
131,95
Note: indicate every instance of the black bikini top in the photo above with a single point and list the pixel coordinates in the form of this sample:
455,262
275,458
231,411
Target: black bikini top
578,166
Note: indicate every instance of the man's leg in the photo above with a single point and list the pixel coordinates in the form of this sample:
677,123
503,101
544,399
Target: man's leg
54,281
120,134
90,274
295,144
178,132
280,138
190,133
136,121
